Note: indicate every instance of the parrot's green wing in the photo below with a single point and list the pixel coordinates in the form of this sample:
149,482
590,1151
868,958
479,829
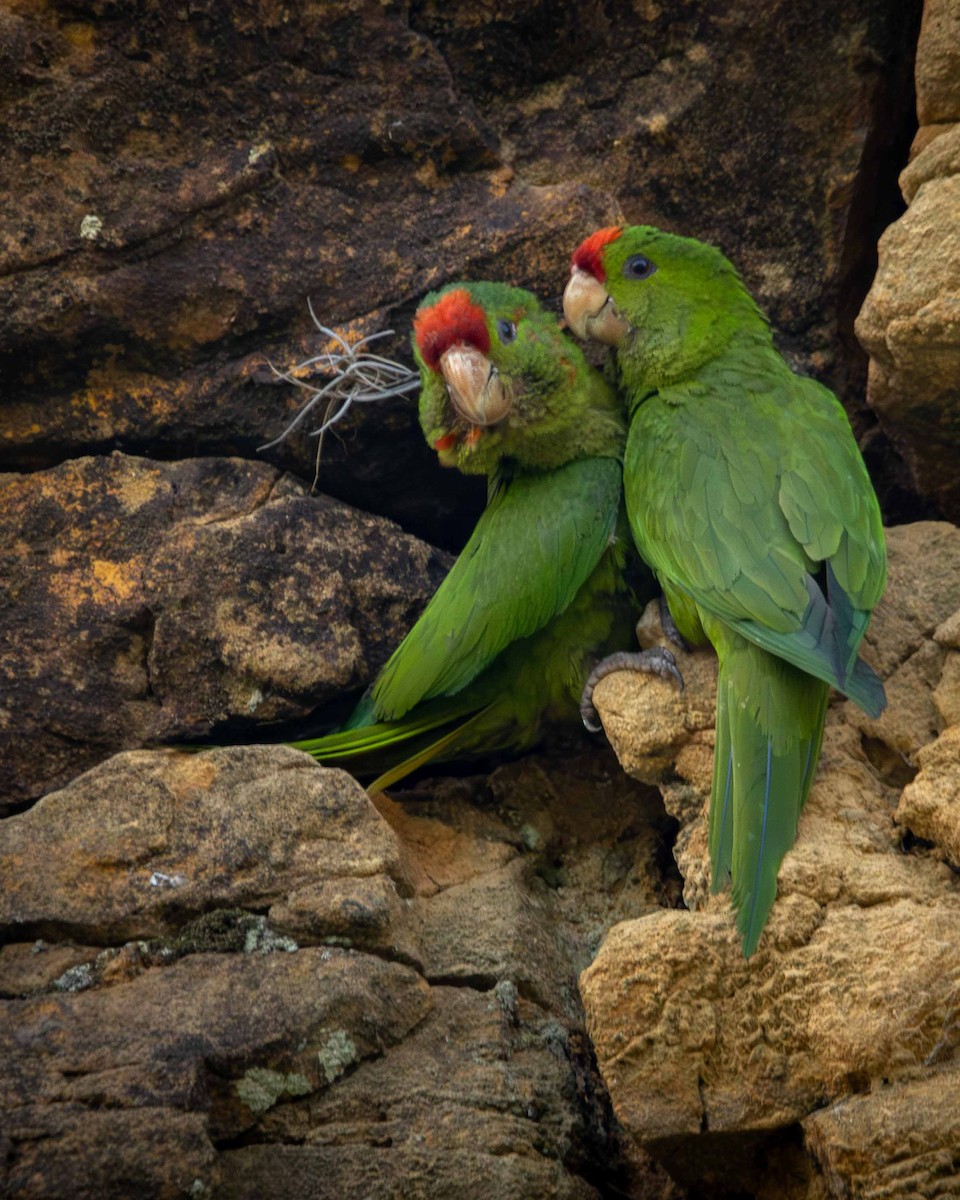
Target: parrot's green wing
534,546
772,524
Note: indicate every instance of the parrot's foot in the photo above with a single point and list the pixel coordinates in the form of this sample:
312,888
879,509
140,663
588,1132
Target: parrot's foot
657,661
669,627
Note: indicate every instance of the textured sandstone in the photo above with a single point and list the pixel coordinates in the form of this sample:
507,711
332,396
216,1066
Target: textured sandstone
176,181
910,326
452,1109
148,601
151,838
930,806
130,1086
938,63
191,1045
910,323
898,1141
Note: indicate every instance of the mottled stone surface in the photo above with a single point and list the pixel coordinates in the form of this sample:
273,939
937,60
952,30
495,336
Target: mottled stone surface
910,321
254,981
129,1086
147,601
322,994
150,839
910,326
179,181
938,63
930,806
900,1140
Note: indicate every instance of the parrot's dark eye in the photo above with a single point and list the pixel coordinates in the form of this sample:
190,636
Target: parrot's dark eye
506,331
638,266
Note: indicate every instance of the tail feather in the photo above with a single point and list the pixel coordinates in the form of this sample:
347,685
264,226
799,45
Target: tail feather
370,749
865,687
769,729
825,645
721,808
766,811
443,747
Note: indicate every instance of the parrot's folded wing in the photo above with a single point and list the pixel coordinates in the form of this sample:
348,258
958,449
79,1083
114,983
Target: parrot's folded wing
794,569
534,546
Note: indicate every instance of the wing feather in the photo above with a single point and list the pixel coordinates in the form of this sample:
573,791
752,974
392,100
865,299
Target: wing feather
775,492
534,546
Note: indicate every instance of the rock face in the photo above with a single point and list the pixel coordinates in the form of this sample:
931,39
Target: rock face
910,322
253,982
233,974
178,182
855,985
149,601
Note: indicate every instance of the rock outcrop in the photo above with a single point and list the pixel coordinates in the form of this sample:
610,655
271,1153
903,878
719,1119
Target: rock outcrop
233,974
147,601
177,182
910,321
230,974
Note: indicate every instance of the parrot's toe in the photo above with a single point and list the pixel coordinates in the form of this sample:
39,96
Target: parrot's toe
657,661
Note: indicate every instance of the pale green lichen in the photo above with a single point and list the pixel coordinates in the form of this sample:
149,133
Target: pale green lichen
75,979
260,1088
336,1054
261,939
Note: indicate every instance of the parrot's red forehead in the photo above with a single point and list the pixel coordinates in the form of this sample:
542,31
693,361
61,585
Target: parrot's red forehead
587,254
453,319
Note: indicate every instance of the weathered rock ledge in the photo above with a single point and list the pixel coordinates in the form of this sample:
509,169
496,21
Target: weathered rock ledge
231,974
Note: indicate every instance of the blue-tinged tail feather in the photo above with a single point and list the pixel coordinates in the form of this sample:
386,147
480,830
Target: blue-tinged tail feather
721,808
769,728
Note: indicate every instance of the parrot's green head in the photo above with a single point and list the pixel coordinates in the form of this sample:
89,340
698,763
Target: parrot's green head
501,382
668,304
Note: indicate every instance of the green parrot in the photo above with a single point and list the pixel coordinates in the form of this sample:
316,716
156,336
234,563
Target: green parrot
747,495
538,593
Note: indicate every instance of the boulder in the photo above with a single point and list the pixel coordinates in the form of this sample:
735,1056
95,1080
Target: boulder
179,182
148,601
231,973
909,323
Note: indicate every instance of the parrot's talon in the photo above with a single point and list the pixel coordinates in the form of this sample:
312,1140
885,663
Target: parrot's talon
657,661
670,630
591,725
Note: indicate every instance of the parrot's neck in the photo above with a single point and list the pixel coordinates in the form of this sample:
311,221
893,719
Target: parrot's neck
648,364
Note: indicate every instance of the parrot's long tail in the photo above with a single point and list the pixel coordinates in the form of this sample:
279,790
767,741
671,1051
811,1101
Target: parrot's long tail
391,750
770,718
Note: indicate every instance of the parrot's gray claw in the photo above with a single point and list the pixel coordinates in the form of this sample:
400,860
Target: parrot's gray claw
669,627
657,661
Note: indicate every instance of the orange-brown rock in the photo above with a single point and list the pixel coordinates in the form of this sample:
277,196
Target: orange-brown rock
892,1142
909,323
148,601
930,806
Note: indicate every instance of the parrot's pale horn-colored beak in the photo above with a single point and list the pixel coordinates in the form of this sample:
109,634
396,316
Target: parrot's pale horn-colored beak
477,390
590,310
